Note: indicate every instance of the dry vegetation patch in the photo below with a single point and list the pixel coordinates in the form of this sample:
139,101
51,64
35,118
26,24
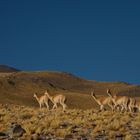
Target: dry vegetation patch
72,124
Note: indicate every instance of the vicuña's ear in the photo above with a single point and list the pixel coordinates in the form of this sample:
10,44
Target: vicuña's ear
46,91
108,90
92,91
109,93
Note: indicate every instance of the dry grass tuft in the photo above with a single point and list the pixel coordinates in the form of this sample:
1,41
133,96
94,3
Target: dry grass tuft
74,123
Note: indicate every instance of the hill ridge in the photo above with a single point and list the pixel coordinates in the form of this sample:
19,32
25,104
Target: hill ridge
7,69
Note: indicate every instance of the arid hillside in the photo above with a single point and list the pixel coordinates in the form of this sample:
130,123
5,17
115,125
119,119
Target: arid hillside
19,87
5,68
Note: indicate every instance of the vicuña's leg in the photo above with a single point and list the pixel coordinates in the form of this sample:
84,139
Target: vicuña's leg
101,107
54,106
40,105
122,108
111,106
130,108
125,107
63,105
116,107
47,105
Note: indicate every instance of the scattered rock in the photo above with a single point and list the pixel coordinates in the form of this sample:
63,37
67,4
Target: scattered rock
119,137
41,137
64,125
82,137
68,137
2,134
15,130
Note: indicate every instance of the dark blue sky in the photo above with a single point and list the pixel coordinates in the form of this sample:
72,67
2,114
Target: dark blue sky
97,40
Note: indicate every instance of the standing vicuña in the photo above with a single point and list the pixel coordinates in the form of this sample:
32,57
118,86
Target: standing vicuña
138,106
132,105
102,101
42,100
57,99
119,101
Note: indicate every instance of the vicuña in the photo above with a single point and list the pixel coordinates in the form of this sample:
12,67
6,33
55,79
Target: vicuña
57,99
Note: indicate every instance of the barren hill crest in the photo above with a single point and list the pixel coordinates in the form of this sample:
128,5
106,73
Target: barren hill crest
5,68
18,87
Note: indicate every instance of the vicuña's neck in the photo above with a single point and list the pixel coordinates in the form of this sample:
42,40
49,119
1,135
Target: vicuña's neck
50,97
95,98
36,98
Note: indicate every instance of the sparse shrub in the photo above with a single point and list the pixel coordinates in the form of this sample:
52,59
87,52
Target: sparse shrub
54,124
128,137
40,129
97,128
11,82
29,128
135,124
74,122
25,116
61,133
114,125
111,134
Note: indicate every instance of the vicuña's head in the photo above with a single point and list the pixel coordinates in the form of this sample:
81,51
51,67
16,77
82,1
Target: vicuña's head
108,91
34,95
92,93
46,92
